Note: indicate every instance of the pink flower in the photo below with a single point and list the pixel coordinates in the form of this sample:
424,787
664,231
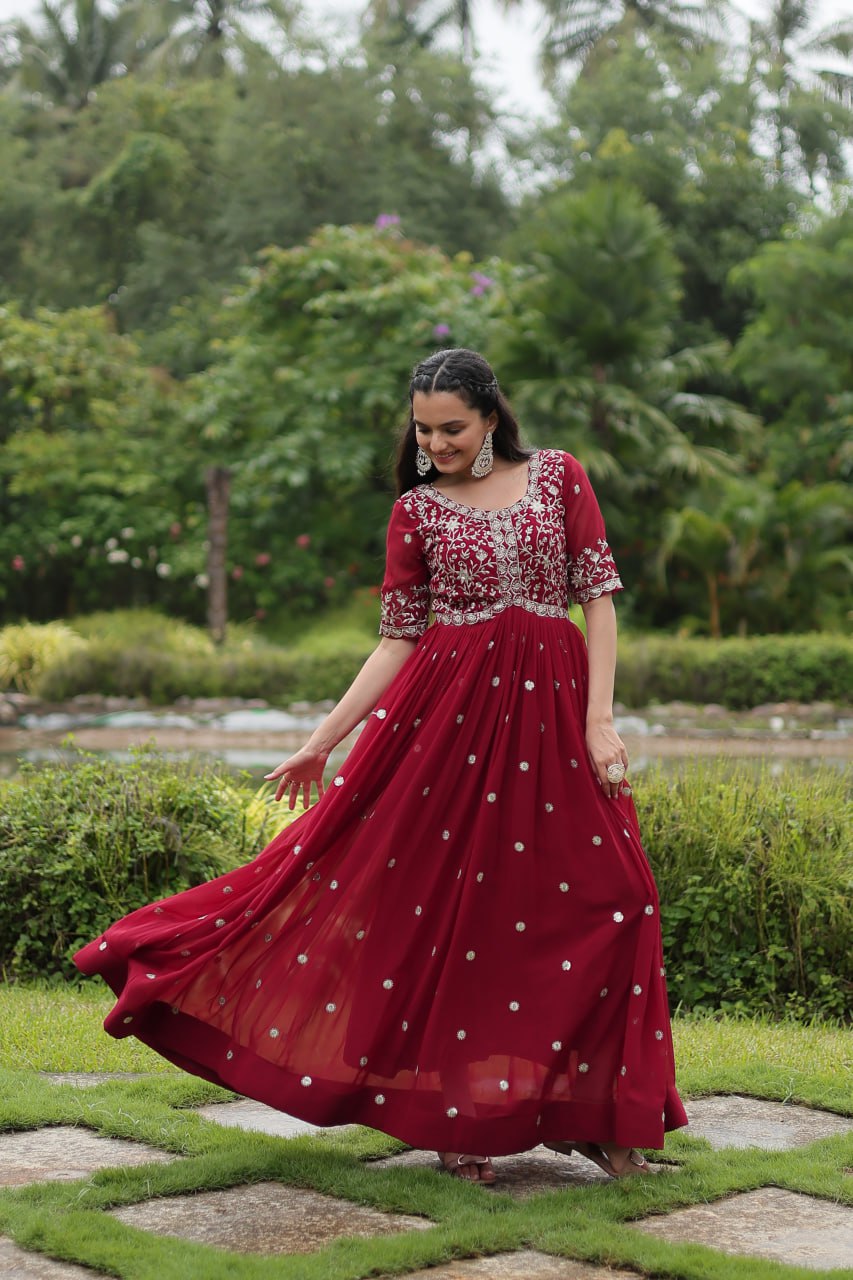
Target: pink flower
260,614
328,582
386,220
19,564
481,283
237,572
441,331
263,558
304,540
175,529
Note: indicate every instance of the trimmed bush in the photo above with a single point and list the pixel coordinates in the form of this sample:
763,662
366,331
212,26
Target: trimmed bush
737,673
140,653
755,875
82,843
161,676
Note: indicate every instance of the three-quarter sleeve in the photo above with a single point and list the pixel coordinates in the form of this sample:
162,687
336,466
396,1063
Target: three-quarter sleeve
591,568
405,588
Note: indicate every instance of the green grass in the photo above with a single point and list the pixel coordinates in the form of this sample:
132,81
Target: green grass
58,1029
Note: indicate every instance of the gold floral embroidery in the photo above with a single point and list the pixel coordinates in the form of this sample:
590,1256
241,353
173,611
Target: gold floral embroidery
479,563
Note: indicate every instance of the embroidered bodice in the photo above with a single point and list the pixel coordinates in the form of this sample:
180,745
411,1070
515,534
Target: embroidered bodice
468,565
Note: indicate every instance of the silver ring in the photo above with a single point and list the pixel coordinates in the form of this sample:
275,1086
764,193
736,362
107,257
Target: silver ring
615,771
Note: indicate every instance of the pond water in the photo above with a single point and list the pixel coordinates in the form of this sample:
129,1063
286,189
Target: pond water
252,740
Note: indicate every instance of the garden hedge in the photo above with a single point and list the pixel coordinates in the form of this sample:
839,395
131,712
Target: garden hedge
733,672
84,842
736,673
754,870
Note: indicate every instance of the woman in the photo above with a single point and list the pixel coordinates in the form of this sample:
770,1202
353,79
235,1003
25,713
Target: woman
459,944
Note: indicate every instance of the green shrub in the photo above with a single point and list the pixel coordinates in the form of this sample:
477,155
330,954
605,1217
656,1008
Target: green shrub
143,628
755,874
28,649
82,843
161,676
144,654
736,673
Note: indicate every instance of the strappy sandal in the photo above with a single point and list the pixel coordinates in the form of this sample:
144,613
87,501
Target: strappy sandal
635,1163
453,1163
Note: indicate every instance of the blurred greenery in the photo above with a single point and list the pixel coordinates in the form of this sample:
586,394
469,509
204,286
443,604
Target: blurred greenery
225,237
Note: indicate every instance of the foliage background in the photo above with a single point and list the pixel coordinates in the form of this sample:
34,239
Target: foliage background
225,247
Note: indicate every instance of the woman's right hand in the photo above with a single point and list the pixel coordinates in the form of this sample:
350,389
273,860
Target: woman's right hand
299,770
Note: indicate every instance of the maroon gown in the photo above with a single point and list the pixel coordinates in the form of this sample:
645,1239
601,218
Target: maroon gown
460,943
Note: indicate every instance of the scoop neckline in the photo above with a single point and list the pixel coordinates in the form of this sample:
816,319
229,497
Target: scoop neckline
445,498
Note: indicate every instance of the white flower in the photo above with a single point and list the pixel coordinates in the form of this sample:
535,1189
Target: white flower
117,556
163,569
76,540
202,580
136,562
128,531
111,544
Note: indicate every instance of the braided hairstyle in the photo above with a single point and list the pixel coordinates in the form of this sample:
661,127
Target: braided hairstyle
470,376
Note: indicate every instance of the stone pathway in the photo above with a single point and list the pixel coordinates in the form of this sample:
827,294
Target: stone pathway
768,1223
527,1265
271,1218
64,1153
257,1118
266,1217
732,1121
21,1264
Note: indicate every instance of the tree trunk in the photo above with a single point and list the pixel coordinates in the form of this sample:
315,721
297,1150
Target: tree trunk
714,606
218,484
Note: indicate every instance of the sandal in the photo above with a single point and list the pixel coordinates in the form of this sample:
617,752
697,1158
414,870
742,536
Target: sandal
453,1163
635,1163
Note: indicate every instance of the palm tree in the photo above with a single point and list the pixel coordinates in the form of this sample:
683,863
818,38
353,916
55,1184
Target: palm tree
588,351
578,29
808,109
700,542
201,36
77,45
417,21
8,52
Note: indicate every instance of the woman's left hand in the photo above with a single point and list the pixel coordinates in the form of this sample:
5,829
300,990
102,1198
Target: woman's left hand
605,747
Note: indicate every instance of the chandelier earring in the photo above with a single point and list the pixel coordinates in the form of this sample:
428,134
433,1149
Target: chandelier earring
485,459
423,462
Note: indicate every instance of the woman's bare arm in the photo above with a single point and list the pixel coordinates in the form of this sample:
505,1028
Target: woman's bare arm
307,764
603,742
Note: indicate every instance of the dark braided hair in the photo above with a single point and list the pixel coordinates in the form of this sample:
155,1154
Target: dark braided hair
470,376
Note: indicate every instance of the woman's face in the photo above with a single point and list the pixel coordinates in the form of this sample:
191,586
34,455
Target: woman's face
449,430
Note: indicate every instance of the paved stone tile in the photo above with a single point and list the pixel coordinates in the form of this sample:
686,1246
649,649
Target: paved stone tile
88,1079
20,1264
256,1117
522,1266
65,1152
733,1121
264,1218
784,1226
520,1176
